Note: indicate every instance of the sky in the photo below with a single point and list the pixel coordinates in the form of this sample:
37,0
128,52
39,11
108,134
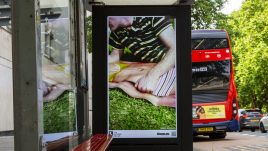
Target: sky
232,5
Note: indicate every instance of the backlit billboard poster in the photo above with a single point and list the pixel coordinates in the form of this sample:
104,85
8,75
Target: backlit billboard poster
142,76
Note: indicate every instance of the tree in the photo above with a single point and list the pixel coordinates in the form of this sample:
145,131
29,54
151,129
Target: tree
249,32
206,14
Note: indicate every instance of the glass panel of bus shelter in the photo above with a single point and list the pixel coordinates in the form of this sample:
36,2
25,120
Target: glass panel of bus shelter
58,74
6,84
89,63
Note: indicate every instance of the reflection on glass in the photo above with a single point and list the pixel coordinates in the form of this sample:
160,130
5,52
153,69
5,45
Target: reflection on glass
211,75
58,74
209,43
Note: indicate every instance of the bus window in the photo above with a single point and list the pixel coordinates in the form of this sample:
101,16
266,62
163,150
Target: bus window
211,75
209,43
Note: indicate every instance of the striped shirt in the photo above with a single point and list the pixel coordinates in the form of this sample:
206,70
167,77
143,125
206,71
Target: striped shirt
165,83
141,43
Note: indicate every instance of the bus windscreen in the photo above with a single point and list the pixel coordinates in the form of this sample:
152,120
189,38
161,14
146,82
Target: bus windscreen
213,75
209,43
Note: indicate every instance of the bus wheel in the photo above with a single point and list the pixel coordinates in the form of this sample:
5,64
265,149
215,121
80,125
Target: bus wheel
217,135
262,128
252,129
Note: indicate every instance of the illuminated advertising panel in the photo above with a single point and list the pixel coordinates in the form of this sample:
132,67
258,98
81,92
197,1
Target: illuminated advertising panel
142,76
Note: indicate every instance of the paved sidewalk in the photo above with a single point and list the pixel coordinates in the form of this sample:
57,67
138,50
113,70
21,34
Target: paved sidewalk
6,143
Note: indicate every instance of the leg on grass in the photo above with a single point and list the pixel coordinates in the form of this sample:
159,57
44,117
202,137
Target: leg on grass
167,101
133,92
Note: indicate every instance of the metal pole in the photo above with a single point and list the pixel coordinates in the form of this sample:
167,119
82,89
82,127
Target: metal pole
27,86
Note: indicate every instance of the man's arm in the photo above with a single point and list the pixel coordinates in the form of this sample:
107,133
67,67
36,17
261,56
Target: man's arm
114,56
168,62
149,81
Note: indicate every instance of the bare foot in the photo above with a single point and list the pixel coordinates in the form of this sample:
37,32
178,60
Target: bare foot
133,92
129,88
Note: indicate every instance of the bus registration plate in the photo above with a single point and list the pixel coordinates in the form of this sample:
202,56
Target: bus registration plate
205,129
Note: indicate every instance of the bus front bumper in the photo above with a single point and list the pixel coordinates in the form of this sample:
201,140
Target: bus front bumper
216,127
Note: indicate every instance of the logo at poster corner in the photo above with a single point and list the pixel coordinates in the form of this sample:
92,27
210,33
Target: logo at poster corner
173,133
165,134
115,134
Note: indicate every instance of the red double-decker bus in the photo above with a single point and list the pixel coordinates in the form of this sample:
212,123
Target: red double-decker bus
214,94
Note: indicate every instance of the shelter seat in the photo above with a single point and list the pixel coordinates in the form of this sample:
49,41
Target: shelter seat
98,142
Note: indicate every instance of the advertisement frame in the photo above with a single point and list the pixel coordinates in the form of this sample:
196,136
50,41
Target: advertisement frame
183,67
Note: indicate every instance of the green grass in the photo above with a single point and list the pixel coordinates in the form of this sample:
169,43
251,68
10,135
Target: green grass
127,113
59,115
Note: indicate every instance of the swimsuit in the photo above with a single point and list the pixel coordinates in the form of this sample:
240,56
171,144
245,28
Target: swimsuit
121,67
165,83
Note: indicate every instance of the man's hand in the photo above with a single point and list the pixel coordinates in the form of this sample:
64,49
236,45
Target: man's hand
147,83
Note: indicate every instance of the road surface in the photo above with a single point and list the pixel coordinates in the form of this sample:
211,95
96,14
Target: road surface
234,141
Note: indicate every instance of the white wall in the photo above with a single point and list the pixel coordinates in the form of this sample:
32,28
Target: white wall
6,86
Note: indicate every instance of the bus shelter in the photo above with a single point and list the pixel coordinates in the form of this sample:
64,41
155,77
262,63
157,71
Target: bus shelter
52,90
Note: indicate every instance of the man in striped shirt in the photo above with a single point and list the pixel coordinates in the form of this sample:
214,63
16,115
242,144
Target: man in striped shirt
147,40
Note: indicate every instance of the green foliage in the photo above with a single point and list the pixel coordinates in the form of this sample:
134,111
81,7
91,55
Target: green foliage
127,113
59,115
248,29
206,14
